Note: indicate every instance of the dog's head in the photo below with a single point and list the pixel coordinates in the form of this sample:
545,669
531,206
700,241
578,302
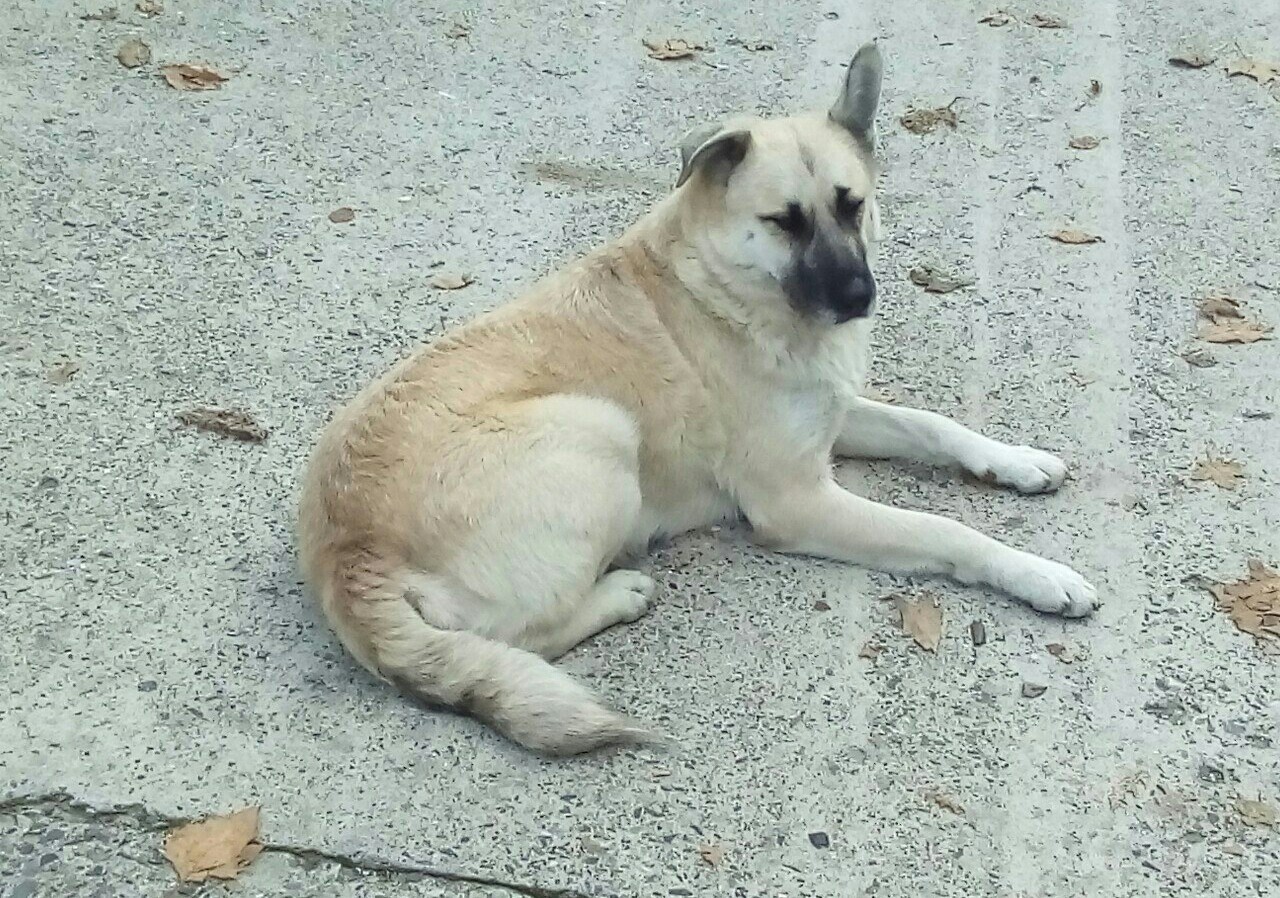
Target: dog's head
786,205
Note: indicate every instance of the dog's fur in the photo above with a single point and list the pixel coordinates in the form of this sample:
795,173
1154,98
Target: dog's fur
461,516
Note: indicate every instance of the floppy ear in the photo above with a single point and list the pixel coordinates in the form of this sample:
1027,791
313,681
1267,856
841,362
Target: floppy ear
712,149
855,111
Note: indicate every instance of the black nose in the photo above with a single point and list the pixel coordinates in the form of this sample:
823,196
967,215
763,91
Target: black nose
856,298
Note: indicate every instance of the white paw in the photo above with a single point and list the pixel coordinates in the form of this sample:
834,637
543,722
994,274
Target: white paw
630,593
1025,469
1046,586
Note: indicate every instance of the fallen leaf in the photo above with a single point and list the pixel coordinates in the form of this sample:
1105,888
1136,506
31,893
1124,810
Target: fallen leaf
62,372
1074,237
1042,20
1257,69
1255,813
217,847
1254,602
1218,307
673,48
871,650
1198,357
1235,331
189,76
934,281
753,46
1223,472
946,802
342,215
148,7
133,53
457,31
449,281
110,14
1084,143
712,853
978,633
925,121
1061,652
1033,690
997,19
1190,60
227,422
922,621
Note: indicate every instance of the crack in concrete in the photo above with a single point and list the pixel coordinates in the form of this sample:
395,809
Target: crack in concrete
148,820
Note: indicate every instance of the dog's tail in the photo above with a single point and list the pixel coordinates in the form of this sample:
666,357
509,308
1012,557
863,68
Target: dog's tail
517,692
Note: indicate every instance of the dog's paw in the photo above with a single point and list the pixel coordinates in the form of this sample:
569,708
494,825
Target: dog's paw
1046,586
629,594
1023,468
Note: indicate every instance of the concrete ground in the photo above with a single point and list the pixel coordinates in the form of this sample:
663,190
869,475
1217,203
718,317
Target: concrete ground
161,661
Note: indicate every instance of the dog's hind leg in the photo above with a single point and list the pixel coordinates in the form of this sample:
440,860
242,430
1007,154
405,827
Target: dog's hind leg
619,597
876,430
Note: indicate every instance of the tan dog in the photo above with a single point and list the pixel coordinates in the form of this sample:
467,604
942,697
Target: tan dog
460,518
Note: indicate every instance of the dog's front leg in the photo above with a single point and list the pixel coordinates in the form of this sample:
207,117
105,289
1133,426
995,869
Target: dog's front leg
821,518
876,430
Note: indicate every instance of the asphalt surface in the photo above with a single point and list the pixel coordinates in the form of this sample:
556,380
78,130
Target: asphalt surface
161,661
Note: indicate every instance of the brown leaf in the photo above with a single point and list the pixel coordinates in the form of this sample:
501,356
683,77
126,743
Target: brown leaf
1075,237
1254,602
457,31
1084,142
342,215
1220,306
712,853
871,650
1255,813
1234,331
1225,473
934,281
1043,20
227,422
1190,60
673,48
148,8
449,281
133,53
925,121
922,621
62,372
1033,690
1061,652
1257,69
110,14
190,76
217,847
997,19
946,802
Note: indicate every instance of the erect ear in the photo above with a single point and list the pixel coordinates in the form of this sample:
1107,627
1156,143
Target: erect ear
713,150
855,111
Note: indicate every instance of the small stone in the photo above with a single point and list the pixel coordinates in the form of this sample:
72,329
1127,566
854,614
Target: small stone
821,606
147,686
978,633
342,215
1033,690
819,840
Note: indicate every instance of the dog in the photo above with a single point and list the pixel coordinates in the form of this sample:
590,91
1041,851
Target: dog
464,521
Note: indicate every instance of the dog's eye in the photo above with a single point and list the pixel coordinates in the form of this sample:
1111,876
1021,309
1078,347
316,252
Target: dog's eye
848,208
792,221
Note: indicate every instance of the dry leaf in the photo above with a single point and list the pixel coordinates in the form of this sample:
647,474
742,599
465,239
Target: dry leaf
712,853
673,48
925,121
1190,60
1225,473
1257,69
1254,602
133,53
1041,20
227,422
1033,690
1084,142
62,372
1255,813
1074,237
110,14
934,281
922,621
946,802
148,7
1061,652
997,19
449,281
1217,307
1234,331
871,651
188,76
457,31
342,215
217,847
